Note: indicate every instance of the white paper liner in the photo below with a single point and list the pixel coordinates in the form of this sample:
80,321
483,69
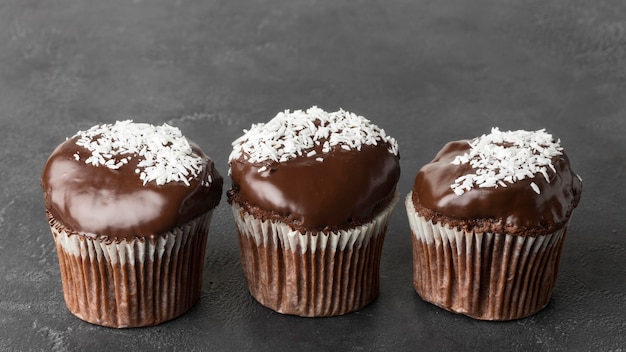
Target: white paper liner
487,276
134,282
311,274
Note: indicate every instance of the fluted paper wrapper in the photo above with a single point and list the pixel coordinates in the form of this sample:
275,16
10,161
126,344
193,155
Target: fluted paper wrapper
487,276
311,274
131,283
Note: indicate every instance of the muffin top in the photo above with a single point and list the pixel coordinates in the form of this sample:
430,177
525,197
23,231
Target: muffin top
314,170
127,180
516,182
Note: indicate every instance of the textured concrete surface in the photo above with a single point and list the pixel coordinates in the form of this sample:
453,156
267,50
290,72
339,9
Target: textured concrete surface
426,71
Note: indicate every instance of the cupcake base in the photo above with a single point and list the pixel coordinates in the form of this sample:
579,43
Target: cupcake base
311,274
488,276
132,283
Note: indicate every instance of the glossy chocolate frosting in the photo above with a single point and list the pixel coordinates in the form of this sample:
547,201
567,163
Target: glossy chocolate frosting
515,209
346,189
114,203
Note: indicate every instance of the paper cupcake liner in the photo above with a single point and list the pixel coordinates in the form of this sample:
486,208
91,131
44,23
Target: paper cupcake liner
311,274
487,276
132,283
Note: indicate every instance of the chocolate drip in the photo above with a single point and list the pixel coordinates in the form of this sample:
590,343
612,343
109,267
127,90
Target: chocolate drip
346,189
515,209
115,204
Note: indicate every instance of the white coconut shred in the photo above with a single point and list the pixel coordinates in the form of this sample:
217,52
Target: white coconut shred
502,158
164,154
292,134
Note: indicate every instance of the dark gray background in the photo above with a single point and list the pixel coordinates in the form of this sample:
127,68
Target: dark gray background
426,71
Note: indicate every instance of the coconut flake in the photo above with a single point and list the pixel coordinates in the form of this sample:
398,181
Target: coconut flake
535,188
164,155
295,134
506,157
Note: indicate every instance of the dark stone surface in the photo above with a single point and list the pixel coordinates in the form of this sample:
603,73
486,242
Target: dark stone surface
426,71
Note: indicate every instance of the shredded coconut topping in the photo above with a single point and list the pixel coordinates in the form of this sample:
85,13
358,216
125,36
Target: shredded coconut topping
292,134
164,154
506,157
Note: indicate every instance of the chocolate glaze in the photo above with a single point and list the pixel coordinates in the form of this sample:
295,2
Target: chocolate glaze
514,209
114,204
347,189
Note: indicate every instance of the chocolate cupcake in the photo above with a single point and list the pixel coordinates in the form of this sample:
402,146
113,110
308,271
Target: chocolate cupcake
488,219
129,206
312,195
